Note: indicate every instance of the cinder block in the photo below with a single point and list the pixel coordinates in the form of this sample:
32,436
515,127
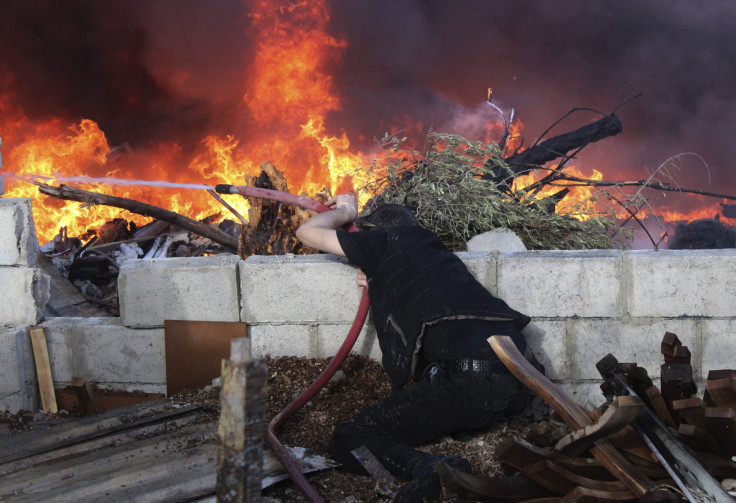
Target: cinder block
547,340
18,241
17,372
719,346
282,340
298,289
637,342
562,283
25,292
196,289
106,352
331,338
671,283
483,266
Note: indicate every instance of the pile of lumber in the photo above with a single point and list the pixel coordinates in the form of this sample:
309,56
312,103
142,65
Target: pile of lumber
157,451
644,443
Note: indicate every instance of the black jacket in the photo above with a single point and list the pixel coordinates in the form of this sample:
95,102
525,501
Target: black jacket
416,283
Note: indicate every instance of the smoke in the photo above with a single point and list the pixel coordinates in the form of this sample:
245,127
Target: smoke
175,71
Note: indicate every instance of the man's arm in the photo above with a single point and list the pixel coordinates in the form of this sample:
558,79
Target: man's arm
320,231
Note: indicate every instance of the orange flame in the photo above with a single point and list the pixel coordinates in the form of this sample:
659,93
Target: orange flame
287,96
577,203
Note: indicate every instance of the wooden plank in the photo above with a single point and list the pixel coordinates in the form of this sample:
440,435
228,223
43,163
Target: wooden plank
570,412
698,439
588,495
85,397
659,406
480,488
722,392
105,484
241,429
517,453
619,414
669,342
47,476
541,473
562,474
673,350
676,382
113,439
43,370
29,443
722,425
692,411
194,351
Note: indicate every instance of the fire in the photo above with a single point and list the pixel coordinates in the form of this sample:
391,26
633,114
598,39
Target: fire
287,96
578,203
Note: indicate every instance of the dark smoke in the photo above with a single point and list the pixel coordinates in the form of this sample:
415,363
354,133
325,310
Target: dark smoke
175,70
96,59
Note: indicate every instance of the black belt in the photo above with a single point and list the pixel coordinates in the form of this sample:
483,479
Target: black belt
469,365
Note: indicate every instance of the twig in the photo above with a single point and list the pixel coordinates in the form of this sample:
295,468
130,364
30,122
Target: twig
636,219
226,205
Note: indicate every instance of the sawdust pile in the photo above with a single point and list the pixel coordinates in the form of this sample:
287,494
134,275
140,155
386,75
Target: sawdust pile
359,382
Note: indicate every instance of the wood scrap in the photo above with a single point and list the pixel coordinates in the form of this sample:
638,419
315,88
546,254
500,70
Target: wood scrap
43,370
241,431
479,488
140,208
571,413
722,392
620,413
85,396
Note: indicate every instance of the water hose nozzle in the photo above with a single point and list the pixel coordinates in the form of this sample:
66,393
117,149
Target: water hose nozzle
226,188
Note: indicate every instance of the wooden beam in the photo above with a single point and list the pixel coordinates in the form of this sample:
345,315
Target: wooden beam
43,370
572,413
241,430
619,414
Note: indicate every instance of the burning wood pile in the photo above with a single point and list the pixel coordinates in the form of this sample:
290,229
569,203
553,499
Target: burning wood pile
92,266
644,443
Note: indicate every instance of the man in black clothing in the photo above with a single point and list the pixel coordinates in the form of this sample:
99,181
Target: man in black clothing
433,320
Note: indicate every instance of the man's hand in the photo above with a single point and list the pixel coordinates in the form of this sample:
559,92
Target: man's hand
320,230
361,279
346,201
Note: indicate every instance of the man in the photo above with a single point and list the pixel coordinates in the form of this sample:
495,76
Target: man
433,320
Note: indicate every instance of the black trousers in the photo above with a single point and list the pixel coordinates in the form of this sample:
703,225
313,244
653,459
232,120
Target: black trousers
445,401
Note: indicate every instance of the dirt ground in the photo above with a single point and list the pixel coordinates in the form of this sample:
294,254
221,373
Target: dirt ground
359,383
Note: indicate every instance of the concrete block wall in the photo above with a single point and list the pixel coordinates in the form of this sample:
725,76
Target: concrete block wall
24,291
583,304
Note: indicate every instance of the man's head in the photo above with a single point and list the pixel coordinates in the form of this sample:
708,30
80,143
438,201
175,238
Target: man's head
387,216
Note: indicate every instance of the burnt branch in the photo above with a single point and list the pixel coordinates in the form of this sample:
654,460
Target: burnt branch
84,196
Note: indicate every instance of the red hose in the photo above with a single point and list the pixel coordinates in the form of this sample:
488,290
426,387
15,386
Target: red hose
278,448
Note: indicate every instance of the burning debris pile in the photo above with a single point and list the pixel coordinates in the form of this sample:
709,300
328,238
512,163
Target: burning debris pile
92,266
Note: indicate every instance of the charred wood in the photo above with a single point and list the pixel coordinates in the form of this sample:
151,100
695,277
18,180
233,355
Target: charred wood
74,194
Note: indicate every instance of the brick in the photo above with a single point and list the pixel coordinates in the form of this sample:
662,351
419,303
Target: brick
282,340
719,346
331,338
18,242
25,293
106,352
298,289
547,339
562,283
671,283
197,289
